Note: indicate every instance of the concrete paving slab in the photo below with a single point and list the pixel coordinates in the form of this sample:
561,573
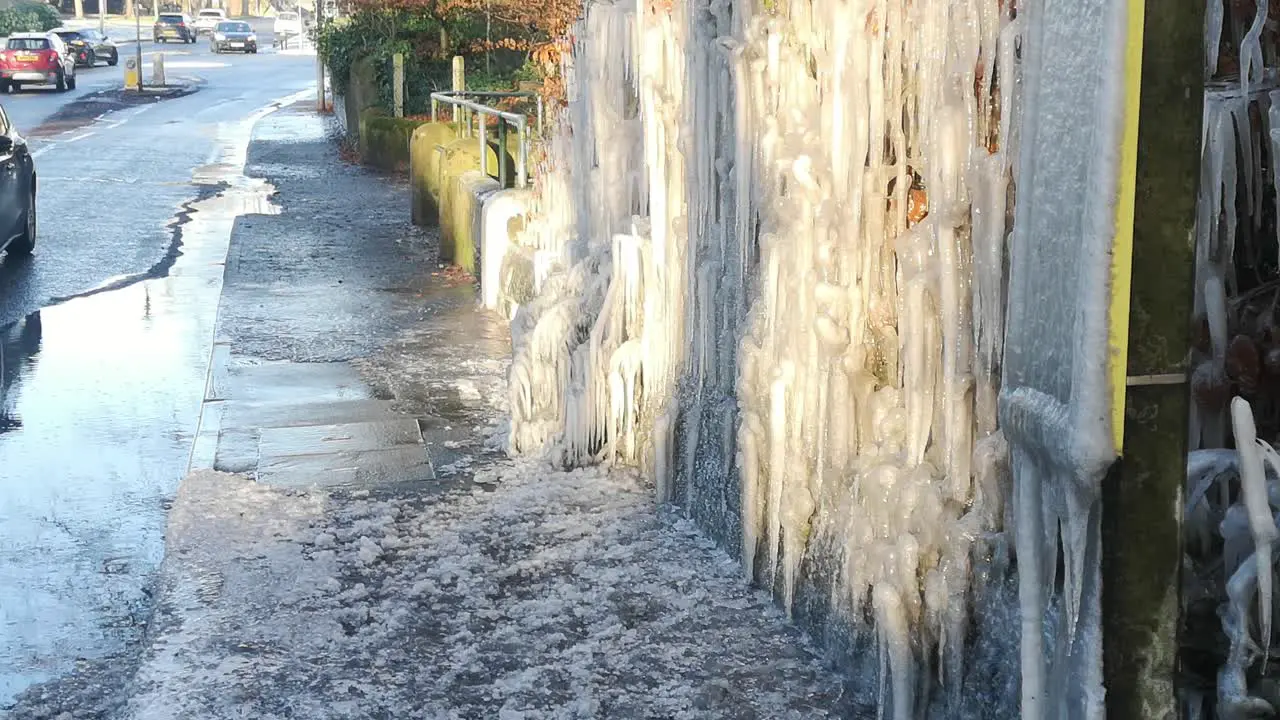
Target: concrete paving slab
373,467
293,382
323,439
283,414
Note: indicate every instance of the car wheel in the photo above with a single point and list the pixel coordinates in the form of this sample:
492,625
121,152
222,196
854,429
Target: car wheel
25,243
93,59
15,87
114,59
62,82
71,82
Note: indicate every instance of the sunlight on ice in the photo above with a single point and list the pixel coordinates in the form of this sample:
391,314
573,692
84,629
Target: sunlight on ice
795,223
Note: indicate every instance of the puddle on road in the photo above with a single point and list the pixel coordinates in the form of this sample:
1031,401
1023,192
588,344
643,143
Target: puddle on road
99,403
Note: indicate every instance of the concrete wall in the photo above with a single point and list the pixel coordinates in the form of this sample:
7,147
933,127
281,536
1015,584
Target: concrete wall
461,201
384,140
447,188
340,114
361,94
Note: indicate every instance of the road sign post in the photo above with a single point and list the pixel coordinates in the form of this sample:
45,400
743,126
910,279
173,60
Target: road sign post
137,29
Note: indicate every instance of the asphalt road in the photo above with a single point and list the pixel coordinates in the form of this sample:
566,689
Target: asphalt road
105,337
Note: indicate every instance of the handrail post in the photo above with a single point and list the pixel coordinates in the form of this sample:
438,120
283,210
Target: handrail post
502,152
540,131
522,172
435,108
484,146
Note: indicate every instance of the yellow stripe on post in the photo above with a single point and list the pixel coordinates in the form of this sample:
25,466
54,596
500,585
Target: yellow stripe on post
1122,247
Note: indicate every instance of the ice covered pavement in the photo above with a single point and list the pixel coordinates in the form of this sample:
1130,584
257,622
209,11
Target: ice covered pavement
526,594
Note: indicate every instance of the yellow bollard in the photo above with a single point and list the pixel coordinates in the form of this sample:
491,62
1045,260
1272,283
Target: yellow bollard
132,73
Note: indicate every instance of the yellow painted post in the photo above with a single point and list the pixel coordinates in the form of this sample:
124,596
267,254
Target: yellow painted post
1153,269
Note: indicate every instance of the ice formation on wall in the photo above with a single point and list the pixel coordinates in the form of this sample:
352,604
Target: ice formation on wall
1233,495
792,222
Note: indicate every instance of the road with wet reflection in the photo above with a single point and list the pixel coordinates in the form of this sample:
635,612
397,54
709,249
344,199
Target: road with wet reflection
105,336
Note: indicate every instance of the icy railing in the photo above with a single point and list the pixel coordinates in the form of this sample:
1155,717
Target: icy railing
770,251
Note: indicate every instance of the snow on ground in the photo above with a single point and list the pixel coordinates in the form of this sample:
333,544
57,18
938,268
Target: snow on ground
528,593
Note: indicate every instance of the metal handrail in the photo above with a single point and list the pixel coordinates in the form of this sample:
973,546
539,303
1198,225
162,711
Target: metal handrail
487,94
456,99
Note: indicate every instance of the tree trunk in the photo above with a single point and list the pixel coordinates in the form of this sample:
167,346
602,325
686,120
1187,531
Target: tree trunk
79,8
128,8
444,41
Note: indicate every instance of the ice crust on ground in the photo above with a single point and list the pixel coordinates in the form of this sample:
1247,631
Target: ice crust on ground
532,594
794,222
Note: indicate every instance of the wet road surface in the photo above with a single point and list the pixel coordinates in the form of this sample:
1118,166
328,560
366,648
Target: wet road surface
105,338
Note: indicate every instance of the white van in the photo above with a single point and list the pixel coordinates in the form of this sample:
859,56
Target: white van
288,23
208,19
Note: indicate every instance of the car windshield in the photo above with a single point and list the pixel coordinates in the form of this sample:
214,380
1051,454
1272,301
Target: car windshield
28,44
288,16
210,13
171,19
233,27
69,36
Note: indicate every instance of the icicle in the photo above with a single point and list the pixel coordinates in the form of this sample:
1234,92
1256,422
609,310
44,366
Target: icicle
1253,483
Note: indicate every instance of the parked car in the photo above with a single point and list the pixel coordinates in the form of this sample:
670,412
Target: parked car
88,46
38,59
17,191
208,19
234,36
173,26
288,23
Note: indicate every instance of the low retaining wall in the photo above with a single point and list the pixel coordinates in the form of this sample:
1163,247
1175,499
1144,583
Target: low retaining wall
340,114
384,140
507,277
461,203
447,187
361,94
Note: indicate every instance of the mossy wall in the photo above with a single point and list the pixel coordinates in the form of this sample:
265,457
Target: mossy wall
461,200
361,94
438,154
384,140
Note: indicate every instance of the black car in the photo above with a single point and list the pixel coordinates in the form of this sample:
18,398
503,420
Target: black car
17,191
89,46
173,26
234,36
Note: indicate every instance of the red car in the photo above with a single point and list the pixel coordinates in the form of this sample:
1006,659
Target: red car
38,59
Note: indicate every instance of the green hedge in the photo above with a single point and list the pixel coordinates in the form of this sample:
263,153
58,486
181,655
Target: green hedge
374,37
29,17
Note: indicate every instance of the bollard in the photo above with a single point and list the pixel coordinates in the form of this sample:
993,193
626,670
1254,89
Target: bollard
132,73
157,71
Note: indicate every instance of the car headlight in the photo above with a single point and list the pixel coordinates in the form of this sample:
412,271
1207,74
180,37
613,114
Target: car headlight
219,36
253,38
